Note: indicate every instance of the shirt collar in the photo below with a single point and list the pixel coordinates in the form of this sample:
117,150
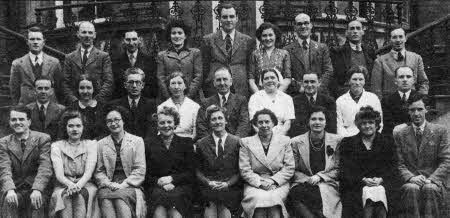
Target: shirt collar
216,139
300,41
134,54
226,96
422,127
172,48
395,53
40,57
88,50
232,35
355,46
45,105
94,104
314,96
130,100
407,94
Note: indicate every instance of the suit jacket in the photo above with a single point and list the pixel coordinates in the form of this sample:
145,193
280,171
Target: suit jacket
236,112
329,185
431,158
394,111
50,126
383,73
31,168
341,58
215,168
302,107
21,83
319,61
140,123
215,56
98,66
146,63
189,62
279,164
132,155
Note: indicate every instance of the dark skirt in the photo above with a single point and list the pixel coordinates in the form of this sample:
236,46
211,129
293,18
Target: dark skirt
309,196
128,195
230,198
179,198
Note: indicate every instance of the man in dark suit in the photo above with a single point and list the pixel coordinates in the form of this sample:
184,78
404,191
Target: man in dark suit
227,48
45,114
87,60
304,102
353,53
36,63
236,107
395,106
141,109
423,162
25,168
308,56
134,57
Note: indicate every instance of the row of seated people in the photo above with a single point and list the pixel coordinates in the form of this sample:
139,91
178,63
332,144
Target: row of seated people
225,48
316,174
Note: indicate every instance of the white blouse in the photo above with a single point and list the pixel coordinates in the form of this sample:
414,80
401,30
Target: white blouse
188,116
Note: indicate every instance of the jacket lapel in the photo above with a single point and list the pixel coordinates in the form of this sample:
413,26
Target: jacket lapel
346,55
126,142
45,64
329,158
218,40
237,42
92,56
313,49
30,145
35,115
77,57
303,148
426,136
411,140
109,156
28,67
51,113
274,149
14,147
212,146
257,150
296,50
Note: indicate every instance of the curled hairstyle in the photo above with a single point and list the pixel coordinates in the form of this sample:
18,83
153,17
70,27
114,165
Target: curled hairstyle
124,113
358,69
174,75
168,111
316,109
65,117
367,113
213,109
180,24
266,26
265,111
89,78
21,109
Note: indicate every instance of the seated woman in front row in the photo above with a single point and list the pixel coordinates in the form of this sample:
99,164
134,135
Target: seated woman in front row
170,168
267,164
74,160
367,168
217,157
120,168
315,190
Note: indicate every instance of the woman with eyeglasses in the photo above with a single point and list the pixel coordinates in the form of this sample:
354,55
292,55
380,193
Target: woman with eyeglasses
73,158
120,169
269,56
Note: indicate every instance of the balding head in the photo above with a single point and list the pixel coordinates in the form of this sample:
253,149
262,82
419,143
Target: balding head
86,34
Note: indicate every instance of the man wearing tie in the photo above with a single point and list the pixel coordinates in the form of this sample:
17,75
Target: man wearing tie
36,63
227,48
308,56
423,162
134,57
236,107
383,73
25,168
45,114
87,60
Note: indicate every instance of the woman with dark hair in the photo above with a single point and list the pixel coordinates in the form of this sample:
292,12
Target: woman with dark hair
348,104
266,164
367,168
120,168
218,168
271,98
89,108
186,107
315,190
179,57
269,56
170,174
74,159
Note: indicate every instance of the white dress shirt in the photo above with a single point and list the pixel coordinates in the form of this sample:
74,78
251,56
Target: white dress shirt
40,57
216,141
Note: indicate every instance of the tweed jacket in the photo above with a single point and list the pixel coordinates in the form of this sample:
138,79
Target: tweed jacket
21,83
146,63
383,73
394,111
52,115
31,168
236,111
98,66
431,158
215,56
188,61
132,154
319,62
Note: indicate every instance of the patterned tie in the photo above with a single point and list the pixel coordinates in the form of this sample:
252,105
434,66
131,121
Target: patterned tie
42,115
219,148
404,98
224,101
400,56
418,136
311,100
132,60
36,62
133,106
23,145
305,45
85,57
228,45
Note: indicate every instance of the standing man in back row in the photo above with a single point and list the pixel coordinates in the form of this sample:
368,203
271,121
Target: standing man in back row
227,48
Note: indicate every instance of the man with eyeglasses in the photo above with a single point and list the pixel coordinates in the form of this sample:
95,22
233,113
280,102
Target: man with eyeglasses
134,56
305,101
308,55
45,114
354,52
25,168
140,108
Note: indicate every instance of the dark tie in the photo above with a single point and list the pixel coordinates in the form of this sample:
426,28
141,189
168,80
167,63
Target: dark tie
228,44
42,115
133,106
305,44
36,63
404,98
418,136
219,148
23,145
311,100
400,56
224,101
85,57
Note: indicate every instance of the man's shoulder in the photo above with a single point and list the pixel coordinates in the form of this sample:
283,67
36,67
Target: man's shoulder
412,54
50,58
20,60
210,36
31,105
39,135
238,98
436,127
290,46
326,98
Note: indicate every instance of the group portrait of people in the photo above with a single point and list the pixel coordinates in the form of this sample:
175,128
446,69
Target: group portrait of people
235,130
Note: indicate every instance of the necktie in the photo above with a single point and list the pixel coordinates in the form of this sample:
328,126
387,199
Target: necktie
85,57
305,45
133,105
224,101
36,62
228,44
23,145
418,136
404,98
42,114
132,60
311,100
219,148
400,56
